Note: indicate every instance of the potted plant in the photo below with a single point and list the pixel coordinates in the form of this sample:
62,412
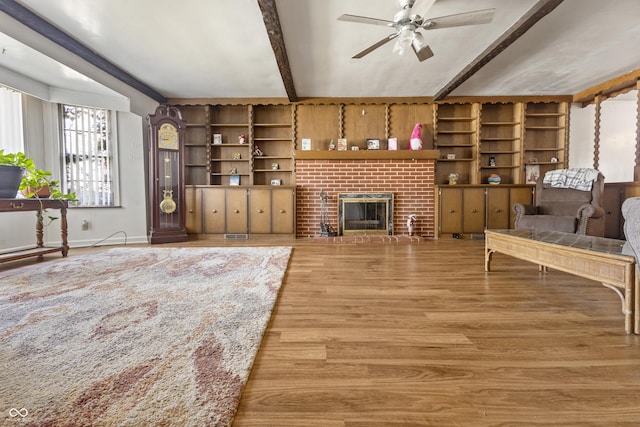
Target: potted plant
33,182
12,167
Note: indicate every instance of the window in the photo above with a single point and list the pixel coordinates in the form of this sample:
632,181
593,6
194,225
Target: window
88,153
11,140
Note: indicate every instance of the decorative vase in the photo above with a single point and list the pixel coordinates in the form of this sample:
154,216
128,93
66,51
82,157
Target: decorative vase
42,192
10,177
494,179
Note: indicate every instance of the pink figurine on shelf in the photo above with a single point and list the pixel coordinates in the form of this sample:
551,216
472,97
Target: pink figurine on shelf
415,142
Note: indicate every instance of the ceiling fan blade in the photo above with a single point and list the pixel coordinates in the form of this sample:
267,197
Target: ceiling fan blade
424,53
365,20
375,46
468,18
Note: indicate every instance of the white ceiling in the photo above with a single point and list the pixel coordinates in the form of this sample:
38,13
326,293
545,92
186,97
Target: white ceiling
220,48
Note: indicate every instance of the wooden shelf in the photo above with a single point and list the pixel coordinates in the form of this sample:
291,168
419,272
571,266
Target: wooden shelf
367,154
543,149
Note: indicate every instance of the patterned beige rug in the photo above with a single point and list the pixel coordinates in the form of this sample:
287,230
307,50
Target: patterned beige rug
134,336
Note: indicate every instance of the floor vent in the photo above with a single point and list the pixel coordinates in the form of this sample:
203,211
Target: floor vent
236,236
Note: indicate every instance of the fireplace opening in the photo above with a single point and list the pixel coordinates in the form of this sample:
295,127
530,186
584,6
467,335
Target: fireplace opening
365,213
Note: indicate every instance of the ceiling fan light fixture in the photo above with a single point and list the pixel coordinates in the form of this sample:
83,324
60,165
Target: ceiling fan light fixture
404,39
418,42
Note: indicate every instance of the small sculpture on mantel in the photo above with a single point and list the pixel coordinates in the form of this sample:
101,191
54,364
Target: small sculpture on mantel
415,142
411,223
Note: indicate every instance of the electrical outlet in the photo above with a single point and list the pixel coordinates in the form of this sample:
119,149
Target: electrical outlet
85,225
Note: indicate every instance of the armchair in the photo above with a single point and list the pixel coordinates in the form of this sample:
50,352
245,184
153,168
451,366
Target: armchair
569,210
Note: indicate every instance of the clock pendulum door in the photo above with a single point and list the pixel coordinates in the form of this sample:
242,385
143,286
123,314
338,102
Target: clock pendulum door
167,205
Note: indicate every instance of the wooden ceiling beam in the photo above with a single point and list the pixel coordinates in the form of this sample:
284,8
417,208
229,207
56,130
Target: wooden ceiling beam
272,23
541,9
609,89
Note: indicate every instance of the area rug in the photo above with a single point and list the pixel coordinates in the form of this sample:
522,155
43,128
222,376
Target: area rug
134,336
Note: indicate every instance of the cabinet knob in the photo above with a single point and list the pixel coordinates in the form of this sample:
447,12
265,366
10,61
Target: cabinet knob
260,210
498,210
452,210
190,210
236,211
214,211
281,210
474,210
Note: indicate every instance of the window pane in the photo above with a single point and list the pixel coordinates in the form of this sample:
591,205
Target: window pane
88,155
11,139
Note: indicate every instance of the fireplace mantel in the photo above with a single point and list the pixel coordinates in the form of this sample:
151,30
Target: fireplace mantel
367,155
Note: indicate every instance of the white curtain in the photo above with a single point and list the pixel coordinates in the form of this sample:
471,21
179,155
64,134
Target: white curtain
11,137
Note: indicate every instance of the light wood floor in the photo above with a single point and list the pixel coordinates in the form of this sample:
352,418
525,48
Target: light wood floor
372,335
419,335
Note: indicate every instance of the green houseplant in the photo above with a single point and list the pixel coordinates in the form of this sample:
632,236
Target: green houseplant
33,182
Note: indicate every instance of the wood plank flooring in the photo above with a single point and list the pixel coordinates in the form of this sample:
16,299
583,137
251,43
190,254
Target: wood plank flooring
417,334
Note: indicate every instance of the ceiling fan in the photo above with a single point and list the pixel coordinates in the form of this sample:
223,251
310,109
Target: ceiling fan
407,23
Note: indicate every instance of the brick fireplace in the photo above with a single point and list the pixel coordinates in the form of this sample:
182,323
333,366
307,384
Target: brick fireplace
409,175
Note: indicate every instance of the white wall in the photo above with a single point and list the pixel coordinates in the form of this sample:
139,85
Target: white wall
617,137
128,222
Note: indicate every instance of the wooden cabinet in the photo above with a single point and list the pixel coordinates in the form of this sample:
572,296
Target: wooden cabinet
615,193
237,212
474,207
456,136
193,220
449,210
273,136
283,209
461,210
214,210
514,139
238,144
224,211
545,136
500,142
196,146
470,209
272,211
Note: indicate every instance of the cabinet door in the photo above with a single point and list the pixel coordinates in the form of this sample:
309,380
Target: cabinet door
450,210
236,211
497,207
611,203
260,206
522,195
193,217
283,211
473,218
213,210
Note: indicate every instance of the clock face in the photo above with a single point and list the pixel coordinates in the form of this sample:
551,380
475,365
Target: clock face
167,137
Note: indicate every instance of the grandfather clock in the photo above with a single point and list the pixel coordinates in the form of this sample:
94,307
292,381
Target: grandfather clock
166,175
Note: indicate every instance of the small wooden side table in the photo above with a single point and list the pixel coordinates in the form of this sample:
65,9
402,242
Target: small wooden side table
38,206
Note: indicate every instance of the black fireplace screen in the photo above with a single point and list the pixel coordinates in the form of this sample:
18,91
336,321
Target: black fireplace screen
365,213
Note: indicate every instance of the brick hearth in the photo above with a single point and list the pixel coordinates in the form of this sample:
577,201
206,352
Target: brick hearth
410,180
